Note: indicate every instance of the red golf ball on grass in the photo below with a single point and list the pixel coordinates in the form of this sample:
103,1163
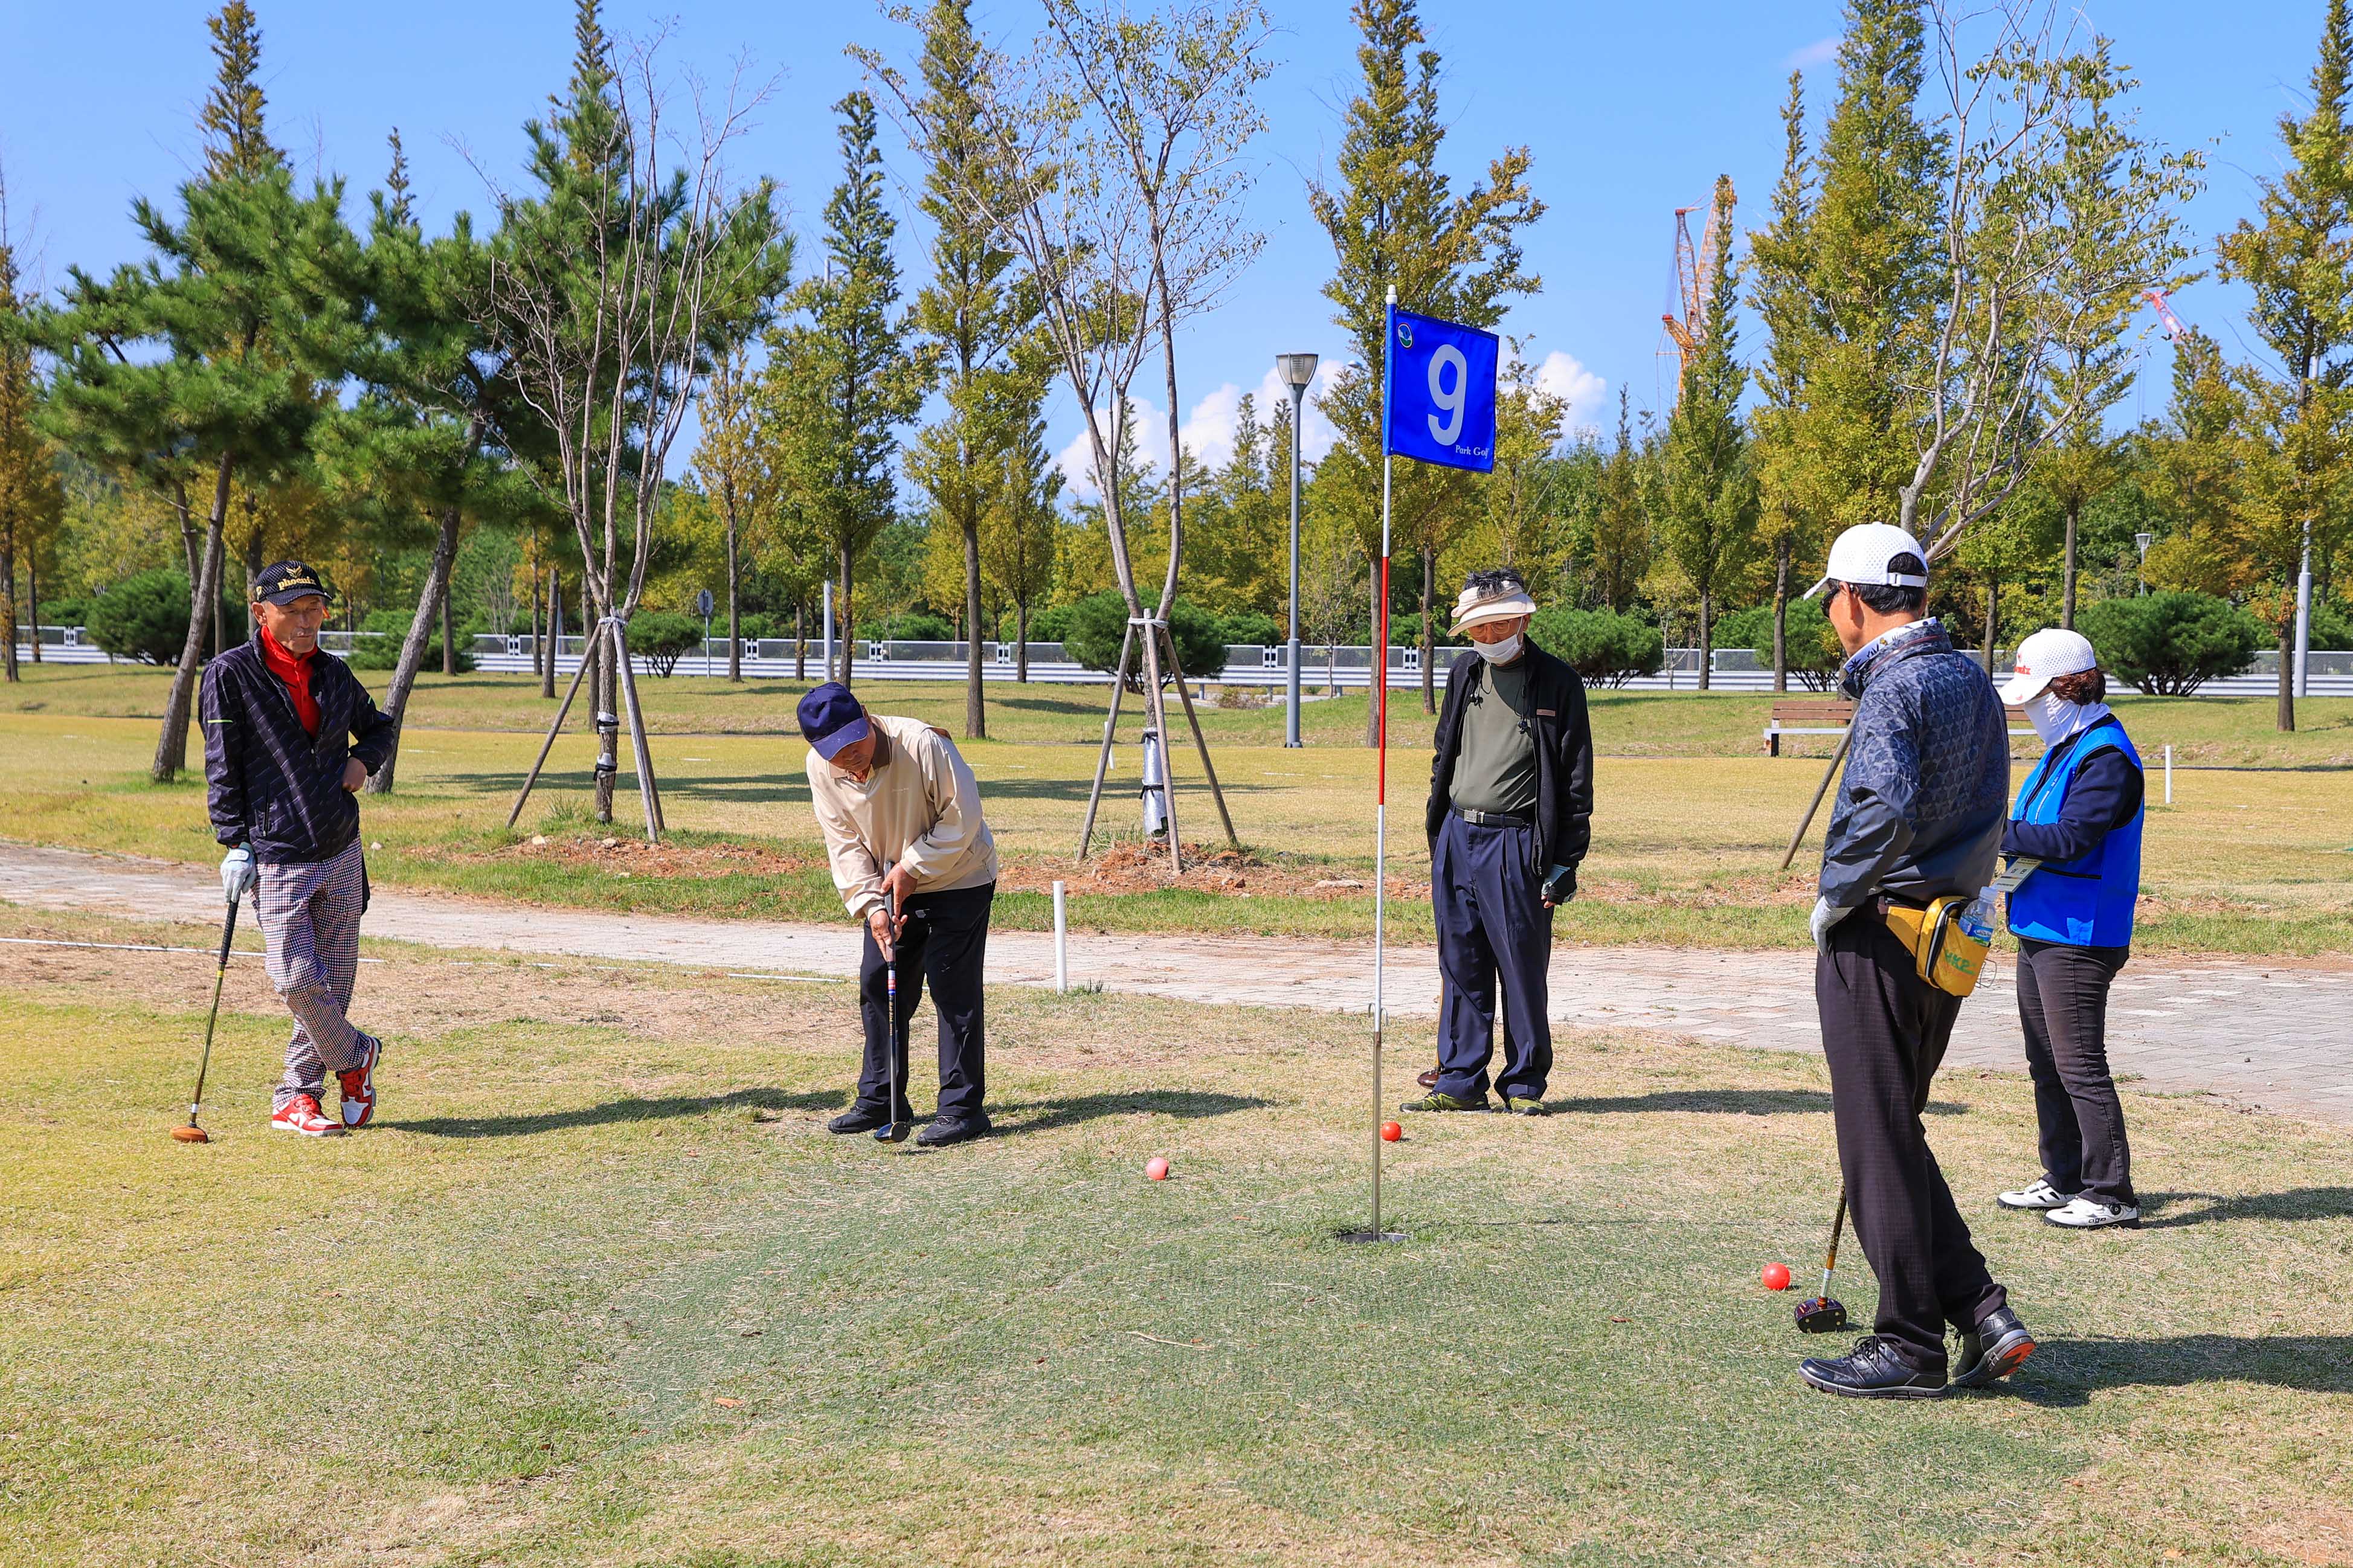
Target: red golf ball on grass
1156,1170
1776,1277
1391,1131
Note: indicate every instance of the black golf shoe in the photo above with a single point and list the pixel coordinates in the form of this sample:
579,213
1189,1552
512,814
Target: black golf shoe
1872,1370
1994,1350
858,1117
943,1132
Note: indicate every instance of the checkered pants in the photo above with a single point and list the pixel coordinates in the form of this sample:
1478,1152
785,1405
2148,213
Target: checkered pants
310,914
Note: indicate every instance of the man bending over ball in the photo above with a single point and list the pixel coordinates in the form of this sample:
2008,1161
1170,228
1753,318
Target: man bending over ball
289,736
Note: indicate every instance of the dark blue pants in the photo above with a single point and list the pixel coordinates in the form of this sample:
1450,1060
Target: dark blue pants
1486,890
945,942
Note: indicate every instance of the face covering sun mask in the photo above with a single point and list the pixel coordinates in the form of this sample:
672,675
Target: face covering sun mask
1501,652
2054,717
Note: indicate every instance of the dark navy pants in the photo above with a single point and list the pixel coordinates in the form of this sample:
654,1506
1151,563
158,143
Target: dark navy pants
1486,890
945,942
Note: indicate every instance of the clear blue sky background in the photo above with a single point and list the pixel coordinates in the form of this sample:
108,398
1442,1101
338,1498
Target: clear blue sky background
1630,111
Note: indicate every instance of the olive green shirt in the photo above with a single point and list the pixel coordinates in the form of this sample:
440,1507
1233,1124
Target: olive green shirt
1496,768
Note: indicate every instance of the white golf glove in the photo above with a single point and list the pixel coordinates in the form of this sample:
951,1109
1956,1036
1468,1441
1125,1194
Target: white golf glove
237,874
1826,915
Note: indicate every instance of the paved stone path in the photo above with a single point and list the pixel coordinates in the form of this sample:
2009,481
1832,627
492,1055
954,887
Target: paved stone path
2277,1036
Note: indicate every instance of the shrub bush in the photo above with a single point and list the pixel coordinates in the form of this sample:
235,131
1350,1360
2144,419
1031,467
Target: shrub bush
1051,623
2332,624
64,612
908,626
661,639
1603,647
1099,622
2170,643
383,652
145,617
1809,645
1251,626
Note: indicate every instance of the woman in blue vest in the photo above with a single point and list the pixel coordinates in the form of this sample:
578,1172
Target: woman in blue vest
2079,813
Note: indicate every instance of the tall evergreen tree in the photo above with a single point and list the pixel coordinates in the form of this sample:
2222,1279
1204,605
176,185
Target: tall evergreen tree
1780,264
32,496
843,374
1394,218
972,312
1707,519
1618,526
2199,456
237,142
200,366
2298,263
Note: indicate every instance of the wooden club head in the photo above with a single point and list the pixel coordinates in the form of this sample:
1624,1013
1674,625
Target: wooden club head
191,1135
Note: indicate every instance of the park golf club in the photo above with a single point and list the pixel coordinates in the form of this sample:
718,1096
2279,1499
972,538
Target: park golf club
192,1134
892,1130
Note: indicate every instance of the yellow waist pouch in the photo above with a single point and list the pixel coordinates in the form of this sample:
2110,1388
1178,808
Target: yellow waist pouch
1949,958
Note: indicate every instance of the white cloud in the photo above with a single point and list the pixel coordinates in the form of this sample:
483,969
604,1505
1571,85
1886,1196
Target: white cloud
1821,51
1208,431
1562,376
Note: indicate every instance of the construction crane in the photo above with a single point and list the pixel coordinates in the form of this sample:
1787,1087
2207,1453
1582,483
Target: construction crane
1695,276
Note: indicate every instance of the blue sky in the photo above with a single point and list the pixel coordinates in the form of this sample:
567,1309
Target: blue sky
1630,110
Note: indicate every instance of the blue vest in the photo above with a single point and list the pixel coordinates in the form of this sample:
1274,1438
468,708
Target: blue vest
2088,902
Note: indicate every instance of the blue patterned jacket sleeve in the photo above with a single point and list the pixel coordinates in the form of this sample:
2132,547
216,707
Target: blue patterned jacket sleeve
1878,798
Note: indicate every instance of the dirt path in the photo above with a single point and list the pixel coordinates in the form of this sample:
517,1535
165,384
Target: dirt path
2273,1034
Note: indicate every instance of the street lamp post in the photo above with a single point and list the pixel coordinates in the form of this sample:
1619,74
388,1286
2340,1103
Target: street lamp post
2144,540
1298,370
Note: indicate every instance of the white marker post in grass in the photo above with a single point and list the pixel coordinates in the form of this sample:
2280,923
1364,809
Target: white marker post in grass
2169,775
1438,407
1062,942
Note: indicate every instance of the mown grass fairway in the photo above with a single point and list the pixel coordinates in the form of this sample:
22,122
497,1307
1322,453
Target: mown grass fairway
599,1290
1686,851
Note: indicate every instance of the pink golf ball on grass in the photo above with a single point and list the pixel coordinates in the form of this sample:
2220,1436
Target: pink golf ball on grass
1155,1169
1776,1277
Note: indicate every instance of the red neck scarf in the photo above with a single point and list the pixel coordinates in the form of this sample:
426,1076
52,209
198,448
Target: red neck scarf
296,673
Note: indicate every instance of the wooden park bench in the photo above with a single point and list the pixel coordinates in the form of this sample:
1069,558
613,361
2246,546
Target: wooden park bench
1832,716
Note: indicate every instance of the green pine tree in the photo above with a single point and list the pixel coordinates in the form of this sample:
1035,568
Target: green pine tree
1780,265
32,496
237,145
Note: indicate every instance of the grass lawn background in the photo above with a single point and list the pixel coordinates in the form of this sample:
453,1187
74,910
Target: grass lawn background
1688,833
599,1290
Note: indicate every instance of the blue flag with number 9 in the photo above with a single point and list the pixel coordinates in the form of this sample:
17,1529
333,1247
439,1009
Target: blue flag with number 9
1441,402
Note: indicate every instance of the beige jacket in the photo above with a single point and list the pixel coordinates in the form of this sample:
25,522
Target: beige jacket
919,808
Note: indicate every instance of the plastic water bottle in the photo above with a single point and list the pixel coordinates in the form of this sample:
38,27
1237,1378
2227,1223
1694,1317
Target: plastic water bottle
1976,921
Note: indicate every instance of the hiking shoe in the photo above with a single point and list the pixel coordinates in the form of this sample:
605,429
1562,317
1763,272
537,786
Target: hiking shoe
357,1086
301,1114
1994,1349
2038,1194
1872,1370
1427,1076
1514,1106
858,1117
1437,1101
944,1131
2085,1211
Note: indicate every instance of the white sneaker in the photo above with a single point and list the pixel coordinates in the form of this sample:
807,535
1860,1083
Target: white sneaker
2085,1211
2038,1194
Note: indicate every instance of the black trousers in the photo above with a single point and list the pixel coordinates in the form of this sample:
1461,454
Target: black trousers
945,942
2062,1004
1884,1030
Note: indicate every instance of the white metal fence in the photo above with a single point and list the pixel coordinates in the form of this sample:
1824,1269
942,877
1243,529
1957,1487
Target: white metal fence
1247,664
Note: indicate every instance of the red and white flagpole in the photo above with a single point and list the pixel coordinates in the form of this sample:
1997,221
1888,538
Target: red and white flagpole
1381,766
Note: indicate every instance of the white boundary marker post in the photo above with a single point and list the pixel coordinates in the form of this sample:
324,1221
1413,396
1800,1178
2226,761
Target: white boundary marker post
1062,941
2169,775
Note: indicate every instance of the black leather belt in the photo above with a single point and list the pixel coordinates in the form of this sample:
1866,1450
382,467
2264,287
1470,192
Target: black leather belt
1493,818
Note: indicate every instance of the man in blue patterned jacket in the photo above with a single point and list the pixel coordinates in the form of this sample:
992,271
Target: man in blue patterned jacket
1919,817
289,736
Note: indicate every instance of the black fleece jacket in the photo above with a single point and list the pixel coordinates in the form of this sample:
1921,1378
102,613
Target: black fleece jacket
1563,738
270,785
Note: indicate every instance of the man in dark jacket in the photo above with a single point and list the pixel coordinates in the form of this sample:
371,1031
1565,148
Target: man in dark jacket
1919,817
289,736
1510,815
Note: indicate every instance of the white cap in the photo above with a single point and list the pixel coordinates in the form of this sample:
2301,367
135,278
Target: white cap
2043,658
1862,554
1502,602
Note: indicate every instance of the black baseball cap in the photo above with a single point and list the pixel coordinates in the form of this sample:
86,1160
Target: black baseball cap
831,719
284,582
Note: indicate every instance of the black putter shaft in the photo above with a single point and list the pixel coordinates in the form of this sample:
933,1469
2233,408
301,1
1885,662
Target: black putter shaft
892,1130
204,1062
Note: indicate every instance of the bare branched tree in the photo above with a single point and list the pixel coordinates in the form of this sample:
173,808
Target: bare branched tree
612,285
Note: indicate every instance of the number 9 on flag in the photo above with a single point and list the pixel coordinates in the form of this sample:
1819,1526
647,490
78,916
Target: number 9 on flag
1440,399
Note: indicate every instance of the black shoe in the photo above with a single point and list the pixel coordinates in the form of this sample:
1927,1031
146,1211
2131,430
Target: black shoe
1994,1349
944,1131
1872,1370
860,1117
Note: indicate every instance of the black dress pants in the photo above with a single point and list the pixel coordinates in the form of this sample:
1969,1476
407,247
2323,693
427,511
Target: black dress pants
945,942
2062,1005
1884,1030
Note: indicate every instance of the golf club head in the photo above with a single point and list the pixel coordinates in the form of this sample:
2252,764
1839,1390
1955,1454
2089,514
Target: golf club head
893,1132
192,1135
1821,1315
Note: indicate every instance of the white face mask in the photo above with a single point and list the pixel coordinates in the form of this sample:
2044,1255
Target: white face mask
2054,717
1501,652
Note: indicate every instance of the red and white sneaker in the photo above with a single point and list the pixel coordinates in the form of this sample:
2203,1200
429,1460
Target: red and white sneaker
301,1114
358,1086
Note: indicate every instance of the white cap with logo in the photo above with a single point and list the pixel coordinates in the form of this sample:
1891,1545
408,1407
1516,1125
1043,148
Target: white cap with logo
1861,555
2043,658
